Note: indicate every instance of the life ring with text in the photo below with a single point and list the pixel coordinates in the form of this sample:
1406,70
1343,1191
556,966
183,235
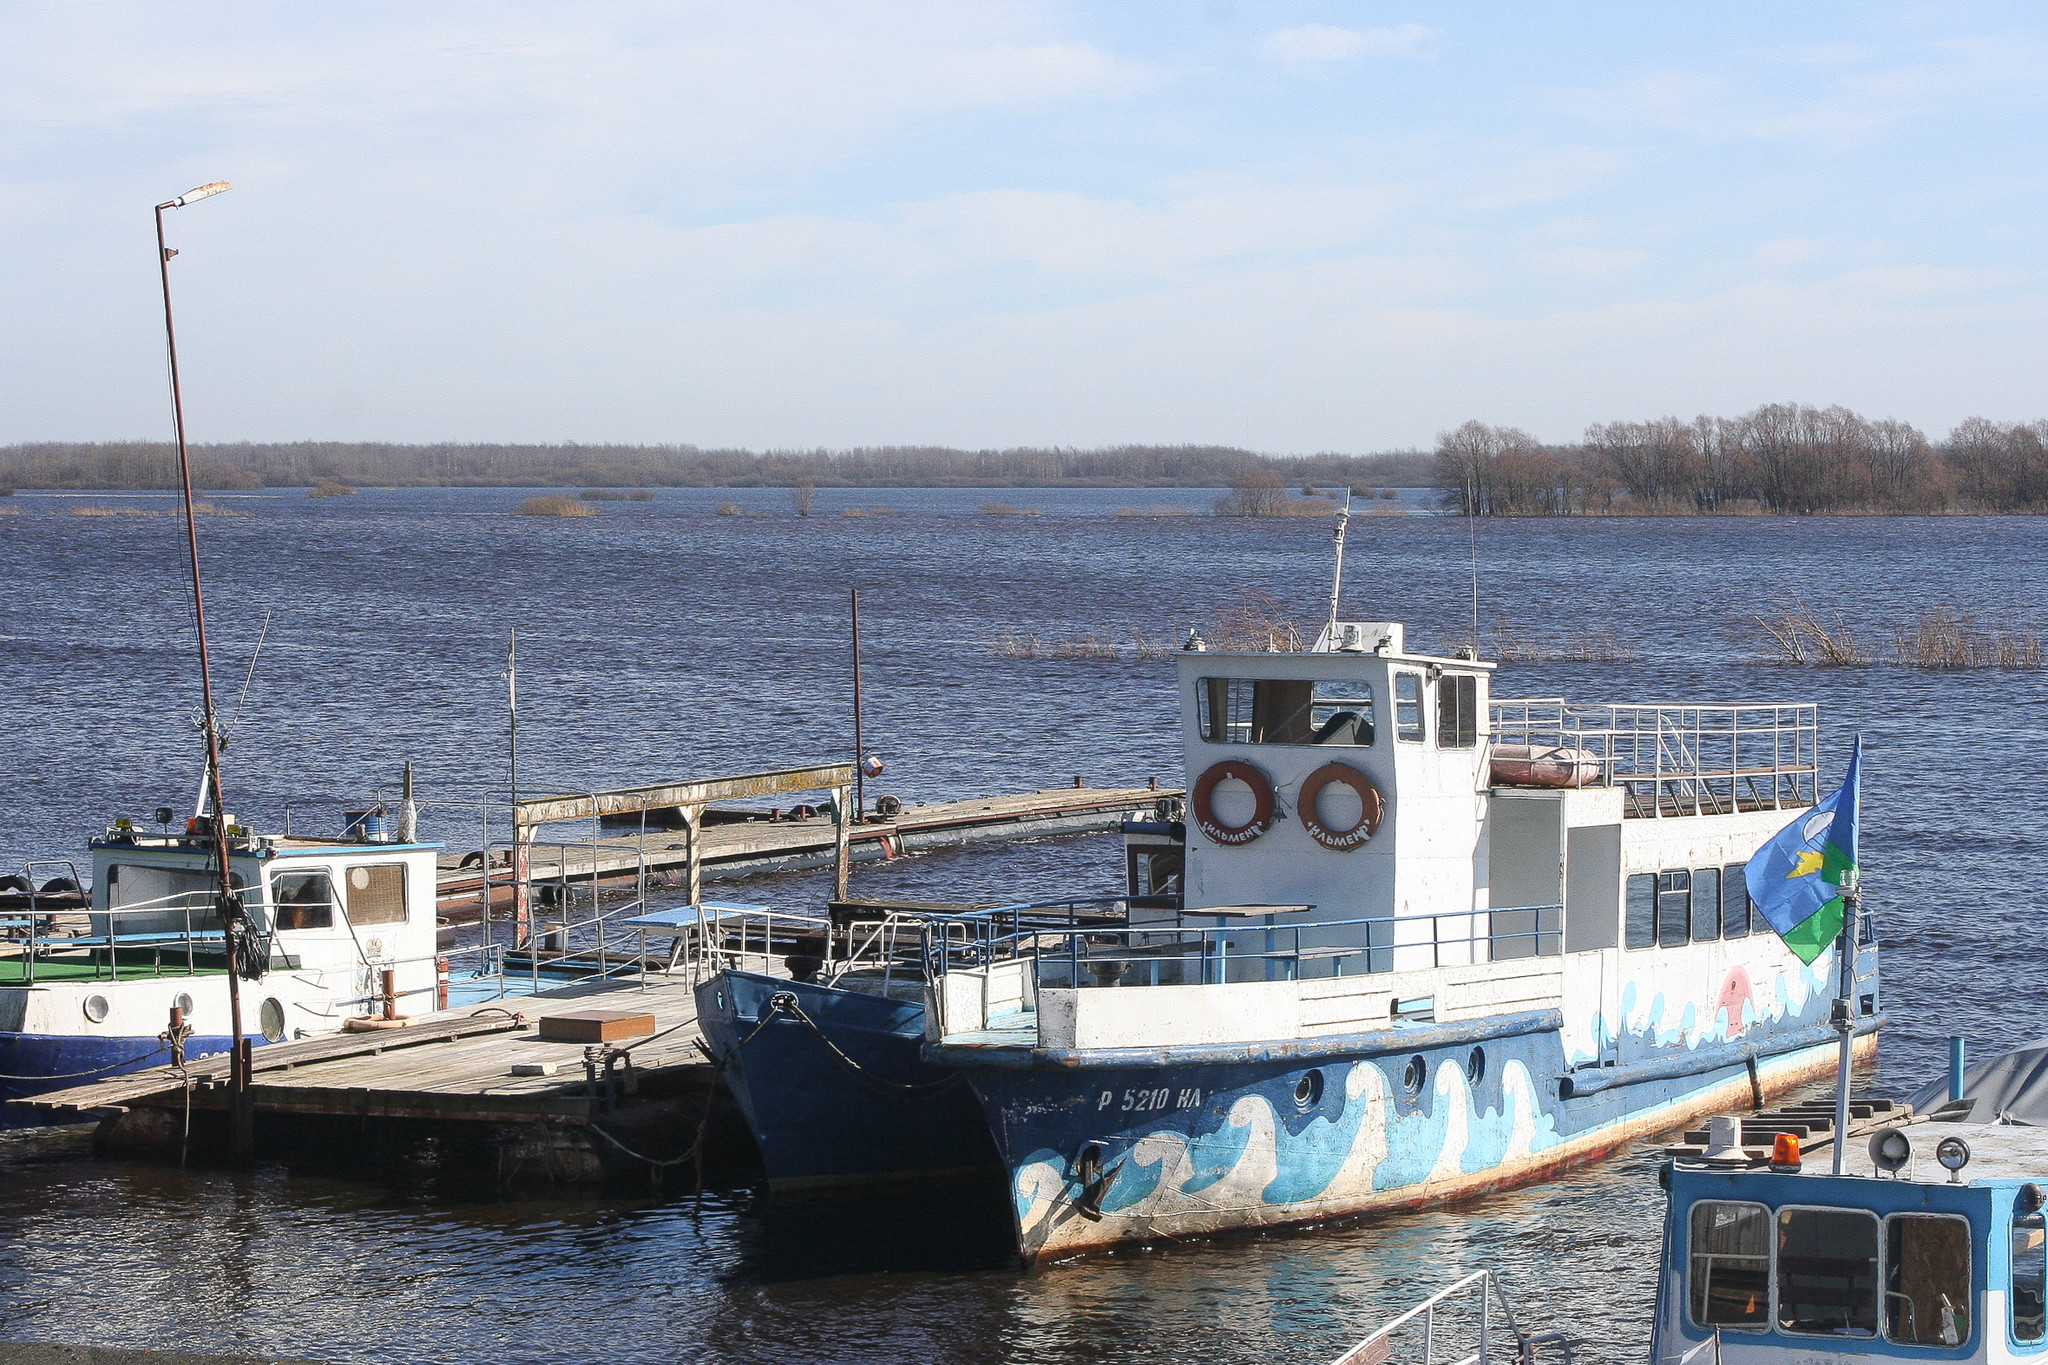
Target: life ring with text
1372,809
1205,805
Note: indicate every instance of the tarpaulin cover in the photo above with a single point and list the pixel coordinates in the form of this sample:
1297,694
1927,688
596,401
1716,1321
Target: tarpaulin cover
2012,1086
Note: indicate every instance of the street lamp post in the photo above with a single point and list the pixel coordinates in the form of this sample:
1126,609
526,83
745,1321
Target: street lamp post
232,915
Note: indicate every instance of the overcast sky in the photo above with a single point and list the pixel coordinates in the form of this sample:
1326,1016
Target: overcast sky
1292,227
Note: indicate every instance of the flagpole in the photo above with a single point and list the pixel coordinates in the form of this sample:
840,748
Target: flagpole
1844,1018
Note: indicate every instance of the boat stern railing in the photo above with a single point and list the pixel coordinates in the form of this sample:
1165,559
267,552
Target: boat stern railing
1678,759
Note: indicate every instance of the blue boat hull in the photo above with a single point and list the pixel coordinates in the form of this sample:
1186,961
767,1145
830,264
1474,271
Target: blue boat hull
880,1114
35,1064
1113,1146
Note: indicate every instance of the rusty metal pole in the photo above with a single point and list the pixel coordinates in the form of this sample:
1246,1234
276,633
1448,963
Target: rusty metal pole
231,915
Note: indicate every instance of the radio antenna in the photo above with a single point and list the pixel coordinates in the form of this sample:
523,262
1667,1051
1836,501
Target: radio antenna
1337,583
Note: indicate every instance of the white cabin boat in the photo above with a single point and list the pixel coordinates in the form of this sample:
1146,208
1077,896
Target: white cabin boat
1433,944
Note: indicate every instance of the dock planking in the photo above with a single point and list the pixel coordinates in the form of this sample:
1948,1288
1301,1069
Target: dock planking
746,847
452,1066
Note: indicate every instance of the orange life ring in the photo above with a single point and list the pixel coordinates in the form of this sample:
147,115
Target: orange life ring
1372,808
1262,802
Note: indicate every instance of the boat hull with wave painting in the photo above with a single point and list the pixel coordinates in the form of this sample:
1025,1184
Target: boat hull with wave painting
1459,986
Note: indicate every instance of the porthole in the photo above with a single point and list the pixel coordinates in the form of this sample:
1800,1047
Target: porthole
1475,1070
271,1019
183,1004
1413,1075
96,1008
1308,1091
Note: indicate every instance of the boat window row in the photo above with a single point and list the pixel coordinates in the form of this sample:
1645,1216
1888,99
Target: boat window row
373,894
160,899
1835,1272
1689,905
1334,711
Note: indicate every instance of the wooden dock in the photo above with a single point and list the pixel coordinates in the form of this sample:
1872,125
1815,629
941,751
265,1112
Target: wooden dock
628,1109
749,843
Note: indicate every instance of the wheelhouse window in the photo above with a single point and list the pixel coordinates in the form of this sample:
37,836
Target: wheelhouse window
1706,904
1730,1271
163,900
301,900
2029,1278
376,894
1284,711
1827,1272
1457,711
1927,1279
1674,908
1408,707
1735,901
1642,910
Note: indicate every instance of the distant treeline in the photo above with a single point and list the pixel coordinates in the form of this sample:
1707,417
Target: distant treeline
1782,458
299,464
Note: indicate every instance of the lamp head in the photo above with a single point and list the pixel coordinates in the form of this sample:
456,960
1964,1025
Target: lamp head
203,192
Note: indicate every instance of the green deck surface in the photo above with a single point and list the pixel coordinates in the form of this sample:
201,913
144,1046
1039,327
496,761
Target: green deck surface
54,970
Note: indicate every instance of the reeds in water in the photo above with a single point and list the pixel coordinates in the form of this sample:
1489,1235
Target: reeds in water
1256,622
1801,635
726,509
556,505
1007,509
328,488
203,509
1947,638
1512,645
602,495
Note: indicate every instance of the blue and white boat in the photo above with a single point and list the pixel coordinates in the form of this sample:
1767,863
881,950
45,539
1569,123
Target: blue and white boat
94,984
1433,945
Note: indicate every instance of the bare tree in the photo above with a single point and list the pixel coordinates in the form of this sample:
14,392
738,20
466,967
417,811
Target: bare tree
803,495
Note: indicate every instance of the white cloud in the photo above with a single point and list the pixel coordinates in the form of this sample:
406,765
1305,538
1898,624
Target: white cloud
1788,251
1320,45
1590,262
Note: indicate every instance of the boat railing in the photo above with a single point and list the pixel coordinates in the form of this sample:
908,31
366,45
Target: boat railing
1174,953
1470,1322
1672,760
44,933
715,936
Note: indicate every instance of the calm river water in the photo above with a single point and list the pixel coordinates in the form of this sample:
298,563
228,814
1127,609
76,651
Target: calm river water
661,639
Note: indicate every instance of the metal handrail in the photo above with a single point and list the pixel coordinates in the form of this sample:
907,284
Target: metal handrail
1215,947
1379,1347
1681,758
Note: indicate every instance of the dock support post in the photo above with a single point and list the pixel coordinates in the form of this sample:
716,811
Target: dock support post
693,819
522,881
841,831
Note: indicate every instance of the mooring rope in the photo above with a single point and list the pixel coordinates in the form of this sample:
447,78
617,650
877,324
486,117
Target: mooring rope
74,1075
785,1002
